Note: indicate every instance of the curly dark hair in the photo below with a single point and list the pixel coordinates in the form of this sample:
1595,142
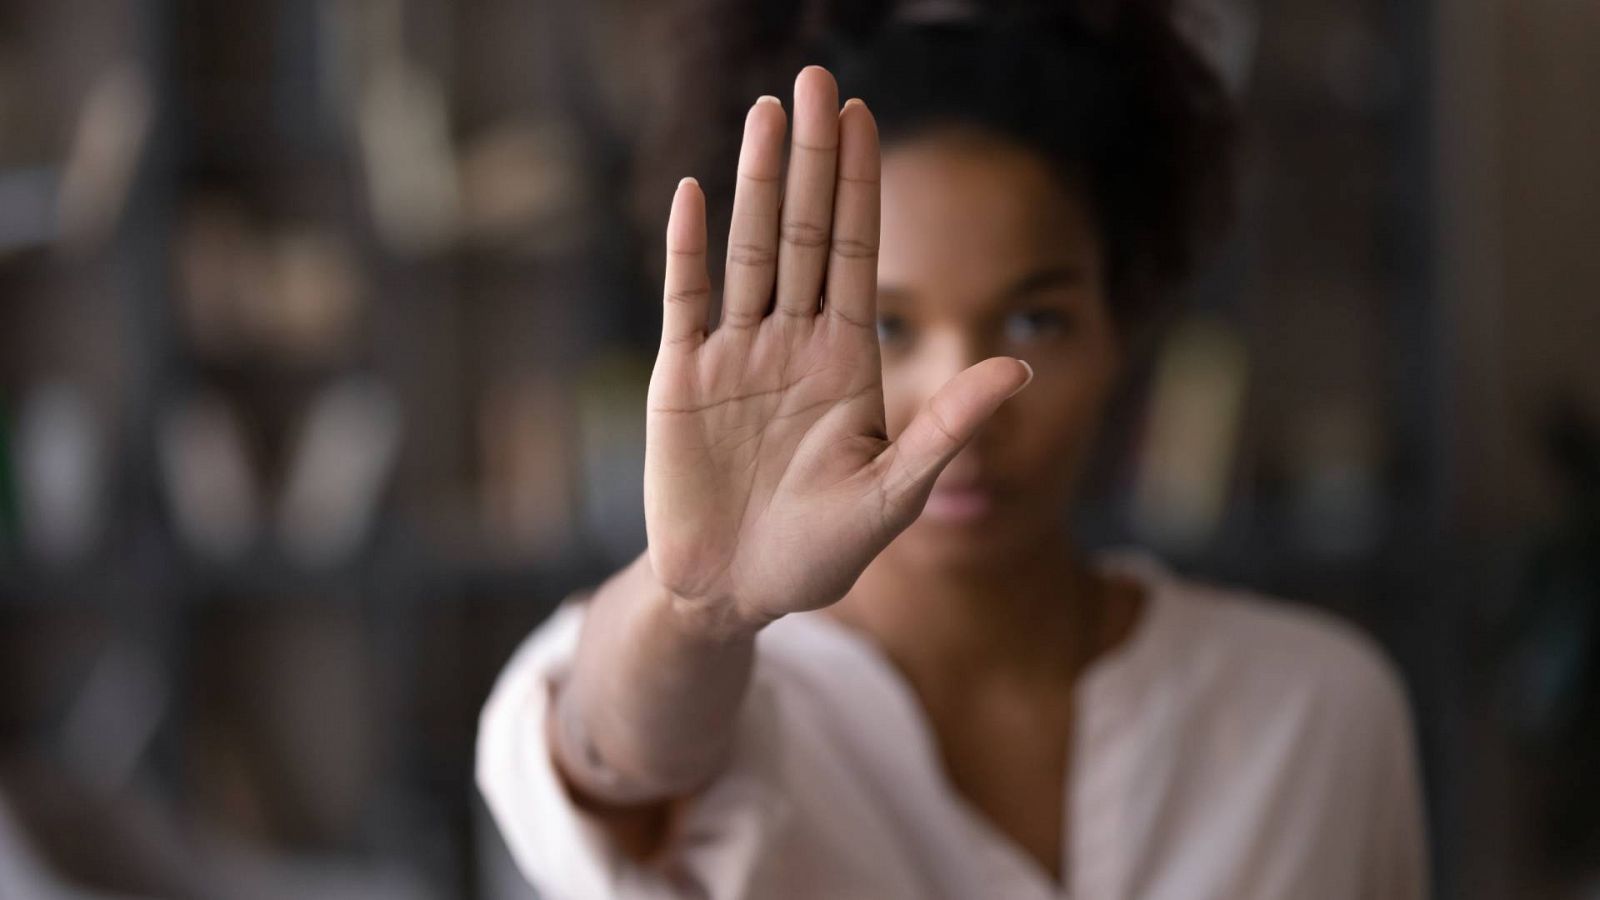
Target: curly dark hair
1110,94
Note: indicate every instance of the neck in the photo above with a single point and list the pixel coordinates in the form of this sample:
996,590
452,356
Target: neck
1038,617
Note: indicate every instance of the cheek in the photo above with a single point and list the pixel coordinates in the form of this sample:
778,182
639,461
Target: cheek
1058,411
1052,424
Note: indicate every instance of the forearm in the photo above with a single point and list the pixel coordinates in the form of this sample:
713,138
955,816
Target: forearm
649,709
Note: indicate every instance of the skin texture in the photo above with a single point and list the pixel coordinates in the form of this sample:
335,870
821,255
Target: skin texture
792,448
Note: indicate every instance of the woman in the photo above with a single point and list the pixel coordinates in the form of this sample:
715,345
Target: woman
861,656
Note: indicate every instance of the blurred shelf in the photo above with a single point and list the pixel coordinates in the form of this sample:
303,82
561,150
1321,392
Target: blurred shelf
392,580
36,588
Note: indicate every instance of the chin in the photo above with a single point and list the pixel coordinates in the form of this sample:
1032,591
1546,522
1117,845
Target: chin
983,544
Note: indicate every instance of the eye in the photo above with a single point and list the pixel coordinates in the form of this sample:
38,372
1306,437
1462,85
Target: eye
1034,325
892,328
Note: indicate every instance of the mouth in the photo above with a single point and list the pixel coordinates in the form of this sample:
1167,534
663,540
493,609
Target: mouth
962,504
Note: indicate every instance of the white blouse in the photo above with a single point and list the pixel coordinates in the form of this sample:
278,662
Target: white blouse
1232,747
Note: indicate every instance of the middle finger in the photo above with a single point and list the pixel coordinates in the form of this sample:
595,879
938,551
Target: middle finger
808,193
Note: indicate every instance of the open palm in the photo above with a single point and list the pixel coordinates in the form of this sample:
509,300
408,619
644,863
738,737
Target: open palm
770,482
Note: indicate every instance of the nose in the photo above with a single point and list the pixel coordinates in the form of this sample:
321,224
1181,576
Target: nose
949,352
940,355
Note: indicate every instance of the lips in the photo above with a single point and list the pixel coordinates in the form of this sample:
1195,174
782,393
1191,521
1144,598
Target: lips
959,504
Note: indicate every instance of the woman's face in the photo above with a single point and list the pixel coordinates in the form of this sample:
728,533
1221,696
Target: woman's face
985,252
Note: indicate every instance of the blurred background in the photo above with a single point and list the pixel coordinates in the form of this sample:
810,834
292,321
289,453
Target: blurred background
324,332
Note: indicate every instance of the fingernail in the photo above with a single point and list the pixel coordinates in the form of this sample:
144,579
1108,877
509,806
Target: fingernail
1025,382
853,101
768,98
688,179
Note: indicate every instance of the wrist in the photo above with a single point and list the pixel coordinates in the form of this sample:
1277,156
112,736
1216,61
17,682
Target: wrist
715,620
712,621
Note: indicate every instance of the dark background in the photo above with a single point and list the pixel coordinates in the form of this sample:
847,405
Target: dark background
324,330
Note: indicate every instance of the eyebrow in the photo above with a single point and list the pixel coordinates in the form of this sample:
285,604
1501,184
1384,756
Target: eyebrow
1043,279
1033,282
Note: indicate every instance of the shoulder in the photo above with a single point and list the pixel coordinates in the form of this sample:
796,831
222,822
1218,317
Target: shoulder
1281,654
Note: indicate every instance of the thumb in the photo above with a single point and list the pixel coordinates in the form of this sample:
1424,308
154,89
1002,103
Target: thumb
946,423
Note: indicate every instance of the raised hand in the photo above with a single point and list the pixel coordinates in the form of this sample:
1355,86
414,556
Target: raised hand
770,481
